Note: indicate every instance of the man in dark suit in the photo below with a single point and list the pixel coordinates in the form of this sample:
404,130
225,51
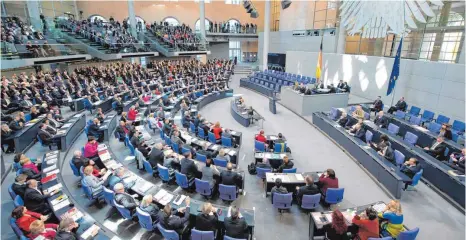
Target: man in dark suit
309,189
437,150
16,124
52,122
228,177
19,186
94,130
46,137
35,201
26,102
381,120
400,105
156,155
377,106
235,225
188,167
287,164
410,168
358,131
124,199
122,131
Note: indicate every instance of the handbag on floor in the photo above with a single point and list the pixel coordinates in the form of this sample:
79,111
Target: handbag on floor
252,169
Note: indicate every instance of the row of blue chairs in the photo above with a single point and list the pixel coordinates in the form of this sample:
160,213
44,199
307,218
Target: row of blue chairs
273,79
262,147
227,142
291,76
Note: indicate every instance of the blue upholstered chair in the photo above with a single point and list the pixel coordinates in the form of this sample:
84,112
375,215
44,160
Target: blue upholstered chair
290,170
393,129
310,201
201,157
220,162
400,114
334,195
282,201
145,220
182,180
202,235
259,146
18,201
203,187
415,120
11,192
413,112
441,119
411,138
427,116
168,234
261,172
408,235
227,192
109,196
369,136
399,157
434,127
164,174
125,213
226,141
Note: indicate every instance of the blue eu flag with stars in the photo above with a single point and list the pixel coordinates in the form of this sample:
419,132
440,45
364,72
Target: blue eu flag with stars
395,70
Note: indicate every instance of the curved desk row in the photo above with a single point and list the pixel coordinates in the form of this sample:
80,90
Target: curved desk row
203,100
435,171
61,204
240,116
163,196
244,82
381,169
71,129
25,137
426,138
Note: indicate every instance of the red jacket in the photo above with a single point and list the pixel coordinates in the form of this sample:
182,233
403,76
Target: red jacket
217,132
132,114
90,150
367,228
261,138
32,166
328,183
25,221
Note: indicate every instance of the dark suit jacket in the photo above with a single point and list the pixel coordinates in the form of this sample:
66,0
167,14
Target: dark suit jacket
438,151
359,133
45,136
378,104
206,222
288,165
381,121
80,162
229,177
156,156
31,174
34,201
125,200
14,126
401,105
94,130
19,189
307,190
236,228
188,168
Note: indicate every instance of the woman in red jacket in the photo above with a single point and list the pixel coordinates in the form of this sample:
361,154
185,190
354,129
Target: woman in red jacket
24,218
217,130
38,229
132,113
368,224
328,180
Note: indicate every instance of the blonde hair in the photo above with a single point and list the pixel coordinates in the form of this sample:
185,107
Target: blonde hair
221,152
206,208
145,200
217,124
36,227
23,159
88,170
395,207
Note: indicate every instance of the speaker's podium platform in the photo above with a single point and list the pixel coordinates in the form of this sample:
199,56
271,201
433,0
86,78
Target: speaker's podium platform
305,105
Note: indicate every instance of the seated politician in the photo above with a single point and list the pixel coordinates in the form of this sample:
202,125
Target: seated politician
309,189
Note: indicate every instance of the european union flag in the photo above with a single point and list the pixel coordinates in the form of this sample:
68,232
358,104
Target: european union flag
395,70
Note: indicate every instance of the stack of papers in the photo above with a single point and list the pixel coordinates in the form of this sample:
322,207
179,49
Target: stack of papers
143,186
59,199
67,125
299,177
53,153
273,138
105,156
61,205
51,168
88,233
180,200
231,153
54,187
72,213
61,132
52,172
101,147
379,207
163,197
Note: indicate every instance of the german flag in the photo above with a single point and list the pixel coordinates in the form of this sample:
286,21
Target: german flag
319,63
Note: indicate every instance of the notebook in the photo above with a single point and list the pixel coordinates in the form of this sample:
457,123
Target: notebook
88,233
61,205
59,199
52,172
51,168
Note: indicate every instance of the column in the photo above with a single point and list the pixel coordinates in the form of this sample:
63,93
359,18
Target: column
202,19
76,11
34,14
132,18
341,40
265,51
443,21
